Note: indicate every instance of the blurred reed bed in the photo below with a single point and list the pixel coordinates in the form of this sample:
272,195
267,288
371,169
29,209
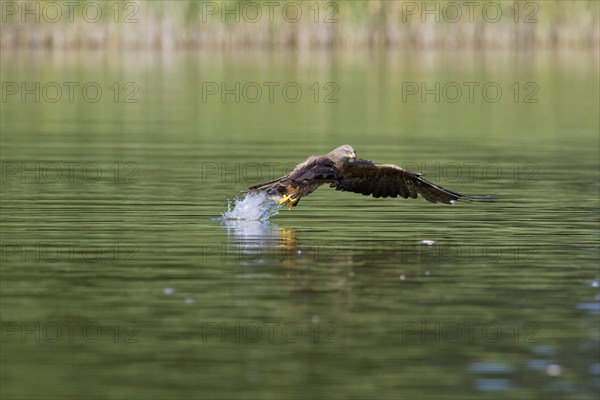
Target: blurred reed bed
164,25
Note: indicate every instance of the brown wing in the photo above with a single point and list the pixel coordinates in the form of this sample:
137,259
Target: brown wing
389,180
312,170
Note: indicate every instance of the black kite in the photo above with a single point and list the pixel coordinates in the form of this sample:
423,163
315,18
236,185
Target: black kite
342,170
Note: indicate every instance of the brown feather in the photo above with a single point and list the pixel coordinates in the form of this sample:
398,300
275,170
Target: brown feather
303,180
389,180
343,172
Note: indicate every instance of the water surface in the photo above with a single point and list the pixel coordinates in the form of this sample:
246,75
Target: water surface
108,229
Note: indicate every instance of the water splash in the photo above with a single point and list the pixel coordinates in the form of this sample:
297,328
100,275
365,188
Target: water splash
253,206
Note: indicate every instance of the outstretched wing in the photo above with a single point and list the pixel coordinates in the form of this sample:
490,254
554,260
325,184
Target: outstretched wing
313,170
389,180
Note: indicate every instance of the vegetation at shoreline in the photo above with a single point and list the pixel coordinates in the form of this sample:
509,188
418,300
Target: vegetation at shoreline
164,25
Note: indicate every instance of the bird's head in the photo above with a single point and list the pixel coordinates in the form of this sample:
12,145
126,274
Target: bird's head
344,153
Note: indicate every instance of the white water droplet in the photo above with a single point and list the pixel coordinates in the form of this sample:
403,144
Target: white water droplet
402,277
168,291
553,370
428,242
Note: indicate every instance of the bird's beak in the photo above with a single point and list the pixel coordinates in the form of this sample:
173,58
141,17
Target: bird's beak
352,156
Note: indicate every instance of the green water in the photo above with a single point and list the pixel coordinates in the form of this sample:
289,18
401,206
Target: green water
118,282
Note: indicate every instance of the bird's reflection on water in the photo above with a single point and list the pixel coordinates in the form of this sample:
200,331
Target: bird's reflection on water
251,232
260,242
264,243
253,240
257,242
314,262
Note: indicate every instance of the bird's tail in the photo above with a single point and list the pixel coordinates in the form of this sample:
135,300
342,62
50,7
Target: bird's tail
265,186
271,187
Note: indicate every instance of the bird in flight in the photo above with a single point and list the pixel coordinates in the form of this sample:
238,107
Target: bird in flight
343,171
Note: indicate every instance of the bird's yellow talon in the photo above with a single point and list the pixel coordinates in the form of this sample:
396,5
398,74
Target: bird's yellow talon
284,199
292,202
289,199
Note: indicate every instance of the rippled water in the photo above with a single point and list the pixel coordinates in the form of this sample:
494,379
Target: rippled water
120,281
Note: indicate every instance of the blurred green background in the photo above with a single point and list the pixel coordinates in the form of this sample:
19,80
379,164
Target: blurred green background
300,24
111,195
